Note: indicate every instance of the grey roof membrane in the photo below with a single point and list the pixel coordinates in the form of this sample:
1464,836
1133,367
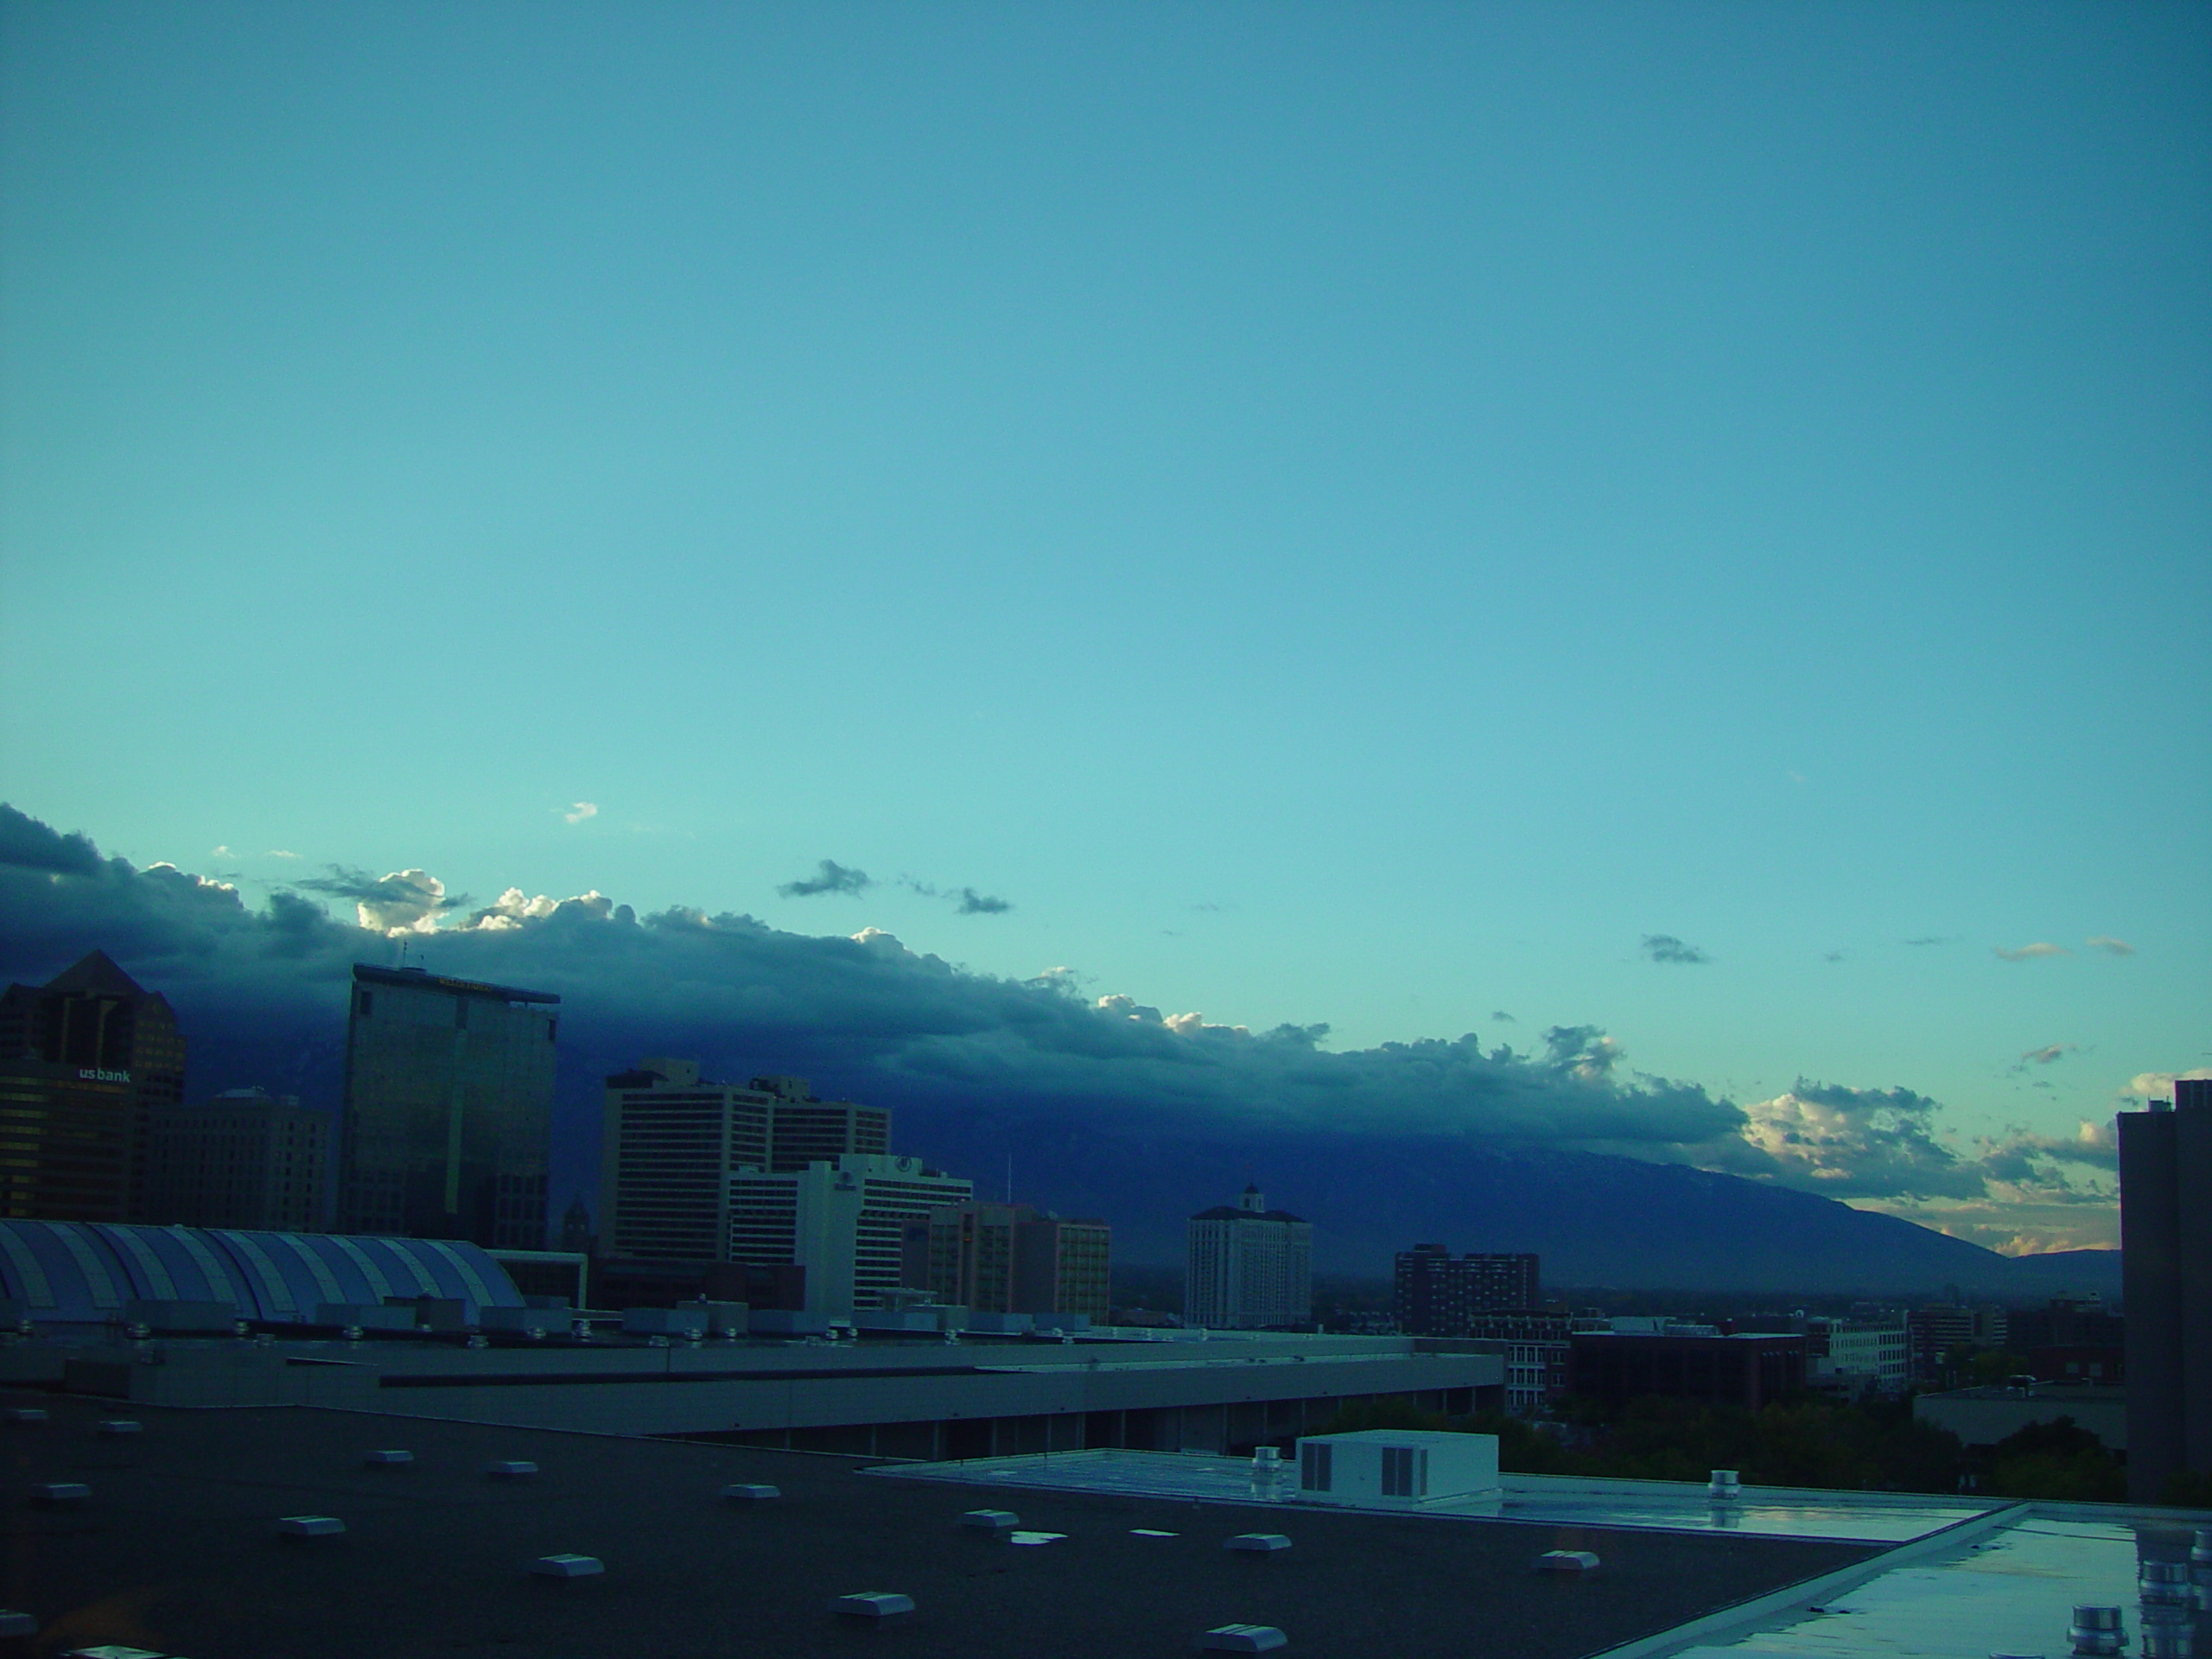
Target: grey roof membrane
177,1551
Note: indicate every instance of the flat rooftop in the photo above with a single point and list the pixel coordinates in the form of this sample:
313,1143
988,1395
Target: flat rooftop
176,1551
1539,1500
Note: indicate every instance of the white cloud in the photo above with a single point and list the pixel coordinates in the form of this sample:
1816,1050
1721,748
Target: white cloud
2030,952
579,812
2159,1085
412,902
278,852
221,852
2106,942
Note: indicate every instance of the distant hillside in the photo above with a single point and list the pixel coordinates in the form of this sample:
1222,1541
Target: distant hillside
1596,1220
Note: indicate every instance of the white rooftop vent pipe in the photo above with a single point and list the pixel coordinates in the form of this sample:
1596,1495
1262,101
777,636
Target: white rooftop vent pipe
1723,1486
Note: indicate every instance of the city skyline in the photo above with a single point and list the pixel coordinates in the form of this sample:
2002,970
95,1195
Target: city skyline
1623,585
869,1007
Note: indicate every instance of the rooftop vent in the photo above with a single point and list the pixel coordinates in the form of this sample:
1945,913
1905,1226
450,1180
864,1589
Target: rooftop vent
115,1428
1259,1543
1723,1486
386,1459
61,1491
310,1526
567,1566
2096,1632
1566,1560
23,1414
872,1604
510,1469
1243,1638
997,1523
748,1492
1034,1537
13,1624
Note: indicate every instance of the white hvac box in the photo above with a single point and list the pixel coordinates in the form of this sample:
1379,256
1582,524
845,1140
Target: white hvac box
1397,1469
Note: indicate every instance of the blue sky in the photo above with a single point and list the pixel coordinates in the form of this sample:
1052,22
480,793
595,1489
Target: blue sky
1347,514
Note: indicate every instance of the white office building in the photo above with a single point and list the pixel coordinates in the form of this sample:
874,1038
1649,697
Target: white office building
1247,1266
843,1222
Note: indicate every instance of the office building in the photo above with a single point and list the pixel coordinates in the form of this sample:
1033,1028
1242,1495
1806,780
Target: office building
85,1059
1745,1369
1010,1259
672,1142
1247,1268
1063,1268
1440,1295
2165,1239
448,1108
1939,1328
1858,1356
244,1159
836,1231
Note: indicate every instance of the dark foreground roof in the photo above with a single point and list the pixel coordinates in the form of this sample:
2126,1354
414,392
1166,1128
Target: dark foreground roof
177,1551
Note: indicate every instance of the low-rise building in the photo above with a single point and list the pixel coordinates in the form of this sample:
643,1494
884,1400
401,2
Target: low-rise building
1747,1369
1859,1356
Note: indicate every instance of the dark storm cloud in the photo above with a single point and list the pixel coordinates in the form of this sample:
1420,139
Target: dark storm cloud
996,1061
1665,947
973,903
829,876
27,844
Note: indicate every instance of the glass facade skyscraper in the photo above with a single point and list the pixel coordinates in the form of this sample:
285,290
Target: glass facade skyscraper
448,1108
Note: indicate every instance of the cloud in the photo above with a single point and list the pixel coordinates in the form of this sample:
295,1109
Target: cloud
2159,1085
1833,955
829,876
1503,1018
579,812
1854,1143
278,852
221,852
405,901
2049,1054
1932,939
966,901
1665,947
2030,952
978,1061
27,844
2106,942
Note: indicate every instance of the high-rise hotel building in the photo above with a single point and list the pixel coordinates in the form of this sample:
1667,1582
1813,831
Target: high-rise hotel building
448,1120
1247,1266
85,1061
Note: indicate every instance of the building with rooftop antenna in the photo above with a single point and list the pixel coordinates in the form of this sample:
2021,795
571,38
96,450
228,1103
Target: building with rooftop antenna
85,1059
1248,1268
